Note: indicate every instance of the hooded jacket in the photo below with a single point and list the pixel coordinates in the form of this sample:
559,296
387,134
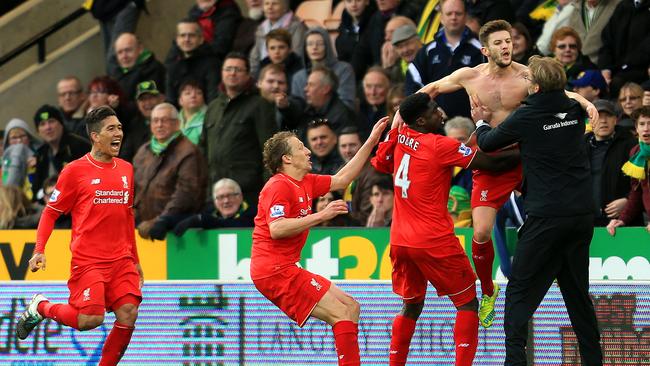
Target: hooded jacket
343,71
14,159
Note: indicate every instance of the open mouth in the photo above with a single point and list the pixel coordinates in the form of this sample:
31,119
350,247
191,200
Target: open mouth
115,144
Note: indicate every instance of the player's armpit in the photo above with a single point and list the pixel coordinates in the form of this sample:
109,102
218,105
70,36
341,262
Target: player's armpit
503,160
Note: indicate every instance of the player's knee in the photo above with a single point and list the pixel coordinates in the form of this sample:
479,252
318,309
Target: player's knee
412,310
127,314
88,322
482,233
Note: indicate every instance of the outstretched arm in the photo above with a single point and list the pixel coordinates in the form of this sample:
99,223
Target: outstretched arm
591,110
352,169
448,84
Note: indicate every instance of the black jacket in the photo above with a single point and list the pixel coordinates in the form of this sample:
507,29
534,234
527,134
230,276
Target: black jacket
148,69
550,130
348,38
614,183
202,66
71,147
223,20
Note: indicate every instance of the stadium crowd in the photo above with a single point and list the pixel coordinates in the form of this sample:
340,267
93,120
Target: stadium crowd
196,121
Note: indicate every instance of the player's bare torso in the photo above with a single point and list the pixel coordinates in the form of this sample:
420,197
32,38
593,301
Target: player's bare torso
501,92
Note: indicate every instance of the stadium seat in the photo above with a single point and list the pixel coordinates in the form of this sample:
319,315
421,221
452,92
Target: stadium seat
333,22
314,12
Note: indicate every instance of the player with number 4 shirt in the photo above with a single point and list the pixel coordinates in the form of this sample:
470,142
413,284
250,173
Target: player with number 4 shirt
423,245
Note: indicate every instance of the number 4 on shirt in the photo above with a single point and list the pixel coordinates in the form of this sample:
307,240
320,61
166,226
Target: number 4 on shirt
402,175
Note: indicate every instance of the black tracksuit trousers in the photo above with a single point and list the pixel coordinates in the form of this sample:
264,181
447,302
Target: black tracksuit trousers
551,248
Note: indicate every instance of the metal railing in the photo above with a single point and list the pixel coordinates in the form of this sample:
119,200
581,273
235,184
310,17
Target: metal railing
39,39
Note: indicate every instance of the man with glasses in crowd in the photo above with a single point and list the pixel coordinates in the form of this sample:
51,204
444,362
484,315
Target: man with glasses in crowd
72,103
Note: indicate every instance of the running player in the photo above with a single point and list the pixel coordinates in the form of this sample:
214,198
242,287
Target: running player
423,247
500,85
97,190
284,217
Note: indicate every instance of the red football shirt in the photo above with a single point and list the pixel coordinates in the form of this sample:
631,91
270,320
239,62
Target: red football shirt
99,197
283,197
422,165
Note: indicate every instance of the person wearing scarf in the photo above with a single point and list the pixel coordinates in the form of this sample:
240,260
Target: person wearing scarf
638,169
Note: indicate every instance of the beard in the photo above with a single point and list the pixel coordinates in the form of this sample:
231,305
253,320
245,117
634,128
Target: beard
255,13
496,57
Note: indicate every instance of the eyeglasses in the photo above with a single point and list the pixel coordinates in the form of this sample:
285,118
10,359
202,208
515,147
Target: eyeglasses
562,46
69,93
629,98
18,138
233,69
223,197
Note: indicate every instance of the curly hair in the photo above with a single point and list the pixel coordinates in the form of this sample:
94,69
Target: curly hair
275,148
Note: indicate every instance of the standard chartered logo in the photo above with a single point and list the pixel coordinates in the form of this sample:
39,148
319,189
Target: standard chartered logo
111,197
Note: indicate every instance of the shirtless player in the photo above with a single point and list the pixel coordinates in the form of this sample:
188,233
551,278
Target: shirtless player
500,86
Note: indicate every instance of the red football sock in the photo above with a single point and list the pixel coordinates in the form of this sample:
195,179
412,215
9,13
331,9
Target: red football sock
61,313
403,329
347,343
483,257
116,344
466,337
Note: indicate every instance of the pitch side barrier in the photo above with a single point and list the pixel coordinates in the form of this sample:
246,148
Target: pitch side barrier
335,253
229,323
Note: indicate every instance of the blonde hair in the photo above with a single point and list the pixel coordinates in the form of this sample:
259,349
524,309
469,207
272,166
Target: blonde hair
547,72
13,203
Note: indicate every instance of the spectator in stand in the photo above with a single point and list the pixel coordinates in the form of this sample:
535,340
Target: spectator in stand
625,53
16,211
390,60
486,10
406,42
630,98
133,63
459,205
590,84
609,148
115,17
72,103
381,199
559,19
278,15
566,47
321,101
190,58
193,108
589,18
646,92
273,87
245,34
237,123
103,90
322,142
373,106
368,50
318,51
278,46
169,175
354,24
342,220
59,146
393,99
522,44
638,169
229,209
138,131
18,158
219,20
454,47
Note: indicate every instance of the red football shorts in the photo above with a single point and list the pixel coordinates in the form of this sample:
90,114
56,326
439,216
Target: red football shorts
295,291
99,286
493,188
445,266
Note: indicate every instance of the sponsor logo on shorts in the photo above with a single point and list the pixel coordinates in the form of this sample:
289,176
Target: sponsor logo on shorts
87,294
277,211
316,284
463,345
484,194
465,150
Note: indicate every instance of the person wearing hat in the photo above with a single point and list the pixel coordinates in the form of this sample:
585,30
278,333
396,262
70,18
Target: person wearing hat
59,146
608,147
137,132
590,84
407,44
